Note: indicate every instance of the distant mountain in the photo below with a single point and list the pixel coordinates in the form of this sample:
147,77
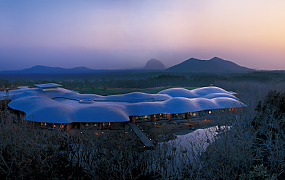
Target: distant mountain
50,70
154,64
213,65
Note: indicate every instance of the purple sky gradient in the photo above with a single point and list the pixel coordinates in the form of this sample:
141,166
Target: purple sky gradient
113,34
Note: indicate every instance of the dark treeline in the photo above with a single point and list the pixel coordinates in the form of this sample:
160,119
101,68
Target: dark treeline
157,81
147,80
247,76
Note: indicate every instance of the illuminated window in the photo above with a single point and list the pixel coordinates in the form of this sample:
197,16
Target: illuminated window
193,114
210,112
95,124
42,123
109,124
86,124
54,125
45,124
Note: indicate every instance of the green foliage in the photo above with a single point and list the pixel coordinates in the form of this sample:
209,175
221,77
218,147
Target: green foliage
270,117
273,101
258,172
269,125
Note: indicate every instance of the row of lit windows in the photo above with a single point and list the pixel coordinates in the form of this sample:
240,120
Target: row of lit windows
149,117
179,115
52,125
97,124
145,117
61,126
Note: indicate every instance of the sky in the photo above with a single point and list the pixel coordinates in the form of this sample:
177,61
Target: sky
112,34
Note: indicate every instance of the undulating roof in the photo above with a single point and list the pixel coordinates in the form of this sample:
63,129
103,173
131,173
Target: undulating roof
65,106
48,85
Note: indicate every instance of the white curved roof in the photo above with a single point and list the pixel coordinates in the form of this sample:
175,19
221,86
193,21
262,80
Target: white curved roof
48,85
63,106
207,92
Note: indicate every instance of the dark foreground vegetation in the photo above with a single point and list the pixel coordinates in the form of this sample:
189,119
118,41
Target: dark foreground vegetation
252,148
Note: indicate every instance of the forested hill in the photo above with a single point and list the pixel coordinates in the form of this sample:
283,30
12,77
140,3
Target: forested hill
213,65
50,70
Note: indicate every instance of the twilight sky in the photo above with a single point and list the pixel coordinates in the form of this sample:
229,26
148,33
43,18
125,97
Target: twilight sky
116,34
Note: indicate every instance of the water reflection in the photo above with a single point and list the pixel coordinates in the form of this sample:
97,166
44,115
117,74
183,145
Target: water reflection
187,148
